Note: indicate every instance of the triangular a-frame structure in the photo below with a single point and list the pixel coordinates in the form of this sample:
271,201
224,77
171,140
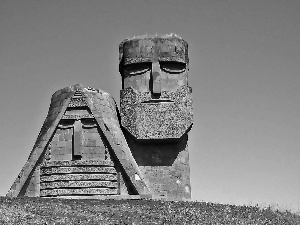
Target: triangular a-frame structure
80,151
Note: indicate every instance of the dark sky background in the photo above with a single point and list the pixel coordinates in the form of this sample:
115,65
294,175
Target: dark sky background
244,71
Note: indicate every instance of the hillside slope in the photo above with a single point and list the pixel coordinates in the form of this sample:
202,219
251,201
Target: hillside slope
92,211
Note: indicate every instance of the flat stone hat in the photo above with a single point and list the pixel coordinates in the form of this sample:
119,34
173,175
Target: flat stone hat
168,47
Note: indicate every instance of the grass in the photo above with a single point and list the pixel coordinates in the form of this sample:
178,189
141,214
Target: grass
93,211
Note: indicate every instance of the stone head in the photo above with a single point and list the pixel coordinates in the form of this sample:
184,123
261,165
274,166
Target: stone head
155,98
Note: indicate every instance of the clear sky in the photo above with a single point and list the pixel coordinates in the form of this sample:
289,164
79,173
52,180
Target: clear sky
244,71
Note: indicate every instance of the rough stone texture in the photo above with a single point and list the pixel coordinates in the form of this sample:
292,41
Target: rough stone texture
79,191
85,169
109,123
165,164
69,177
157,120
78,184
156,111
94,162
145,48
80,150
33,188
83,152
59,103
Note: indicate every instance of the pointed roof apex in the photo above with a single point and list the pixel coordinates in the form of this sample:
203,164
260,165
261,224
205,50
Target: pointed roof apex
76,88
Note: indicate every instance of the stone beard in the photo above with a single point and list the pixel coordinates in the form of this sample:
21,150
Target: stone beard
156,100
146,119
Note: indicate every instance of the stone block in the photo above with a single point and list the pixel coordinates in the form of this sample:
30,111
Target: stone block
59,170
85,191
79,184
71,177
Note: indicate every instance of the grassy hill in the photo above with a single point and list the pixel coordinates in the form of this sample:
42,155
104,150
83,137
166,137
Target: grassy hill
92,211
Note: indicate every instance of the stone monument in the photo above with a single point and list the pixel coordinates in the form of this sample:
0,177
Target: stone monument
87,149
156,110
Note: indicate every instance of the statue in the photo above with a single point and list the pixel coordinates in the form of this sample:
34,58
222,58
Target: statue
156,110
86,149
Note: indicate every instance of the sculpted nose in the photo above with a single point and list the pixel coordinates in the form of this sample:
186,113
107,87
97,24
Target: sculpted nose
156,80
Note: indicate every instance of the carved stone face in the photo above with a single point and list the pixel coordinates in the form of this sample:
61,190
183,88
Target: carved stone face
156,100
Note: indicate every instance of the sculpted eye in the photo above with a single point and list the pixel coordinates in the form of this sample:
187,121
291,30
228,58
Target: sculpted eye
87,123
137,69
64,124
173,67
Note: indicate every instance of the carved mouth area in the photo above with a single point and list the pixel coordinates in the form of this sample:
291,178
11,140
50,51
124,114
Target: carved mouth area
158,101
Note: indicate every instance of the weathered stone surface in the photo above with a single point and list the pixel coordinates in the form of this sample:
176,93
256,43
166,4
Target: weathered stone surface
78,184
85,169
156,110
110,128
69,177
33,188
81,191
82,151
74,144
77,102
155,120
145,48
77,163
77,117
156,100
